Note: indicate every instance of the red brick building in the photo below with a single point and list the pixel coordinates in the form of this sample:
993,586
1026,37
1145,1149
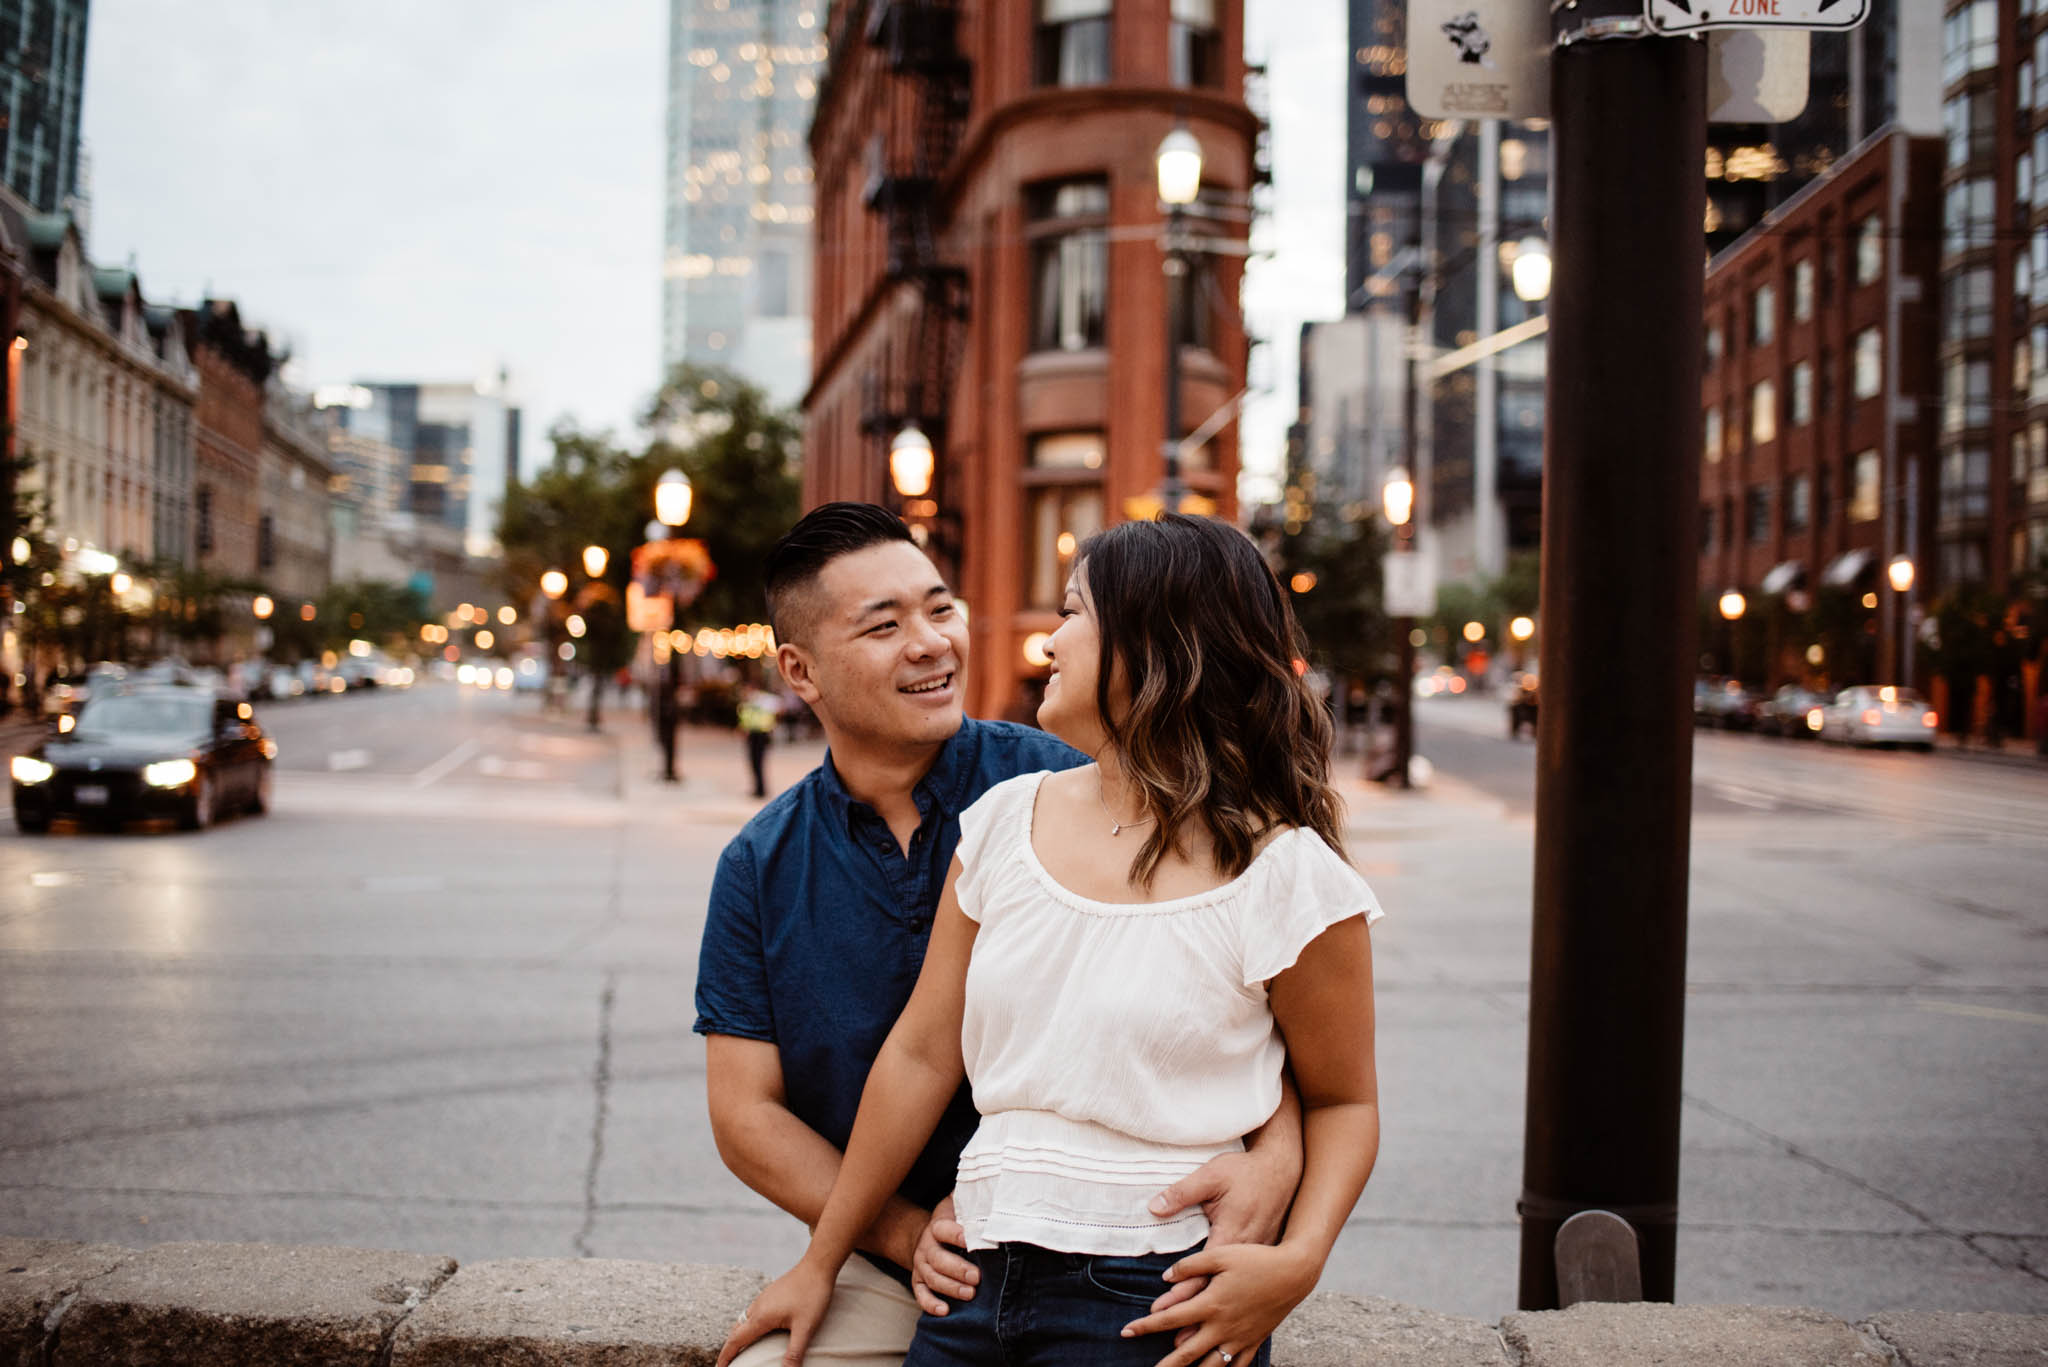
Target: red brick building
234,363
1820,403
989,266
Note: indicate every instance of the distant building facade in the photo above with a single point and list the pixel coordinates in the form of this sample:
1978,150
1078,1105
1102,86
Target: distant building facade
736,262
461,446
294,525
42,91
1819,437
989,267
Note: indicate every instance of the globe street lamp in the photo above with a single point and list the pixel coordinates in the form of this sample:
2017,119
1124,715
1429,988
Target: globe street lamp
595,558
672,498
912,462
554,583
1900,573
1179,166
1531,270
1732,605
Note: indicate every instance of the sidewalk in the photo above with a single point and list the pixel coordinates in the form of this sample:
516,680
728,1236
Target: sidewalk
2020,753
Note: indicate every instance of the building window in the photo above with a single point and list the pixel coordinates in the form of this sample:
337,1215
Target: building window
1706,528
1962,562
1713,346
1965,485
1802,290
202,515
1059,517
1195,46
1069,265
1756,514
1969,215
1965,395
1763,412
1798,503
1967,312
1712,424
1969,40
1072,42
1869,250
1869,374
266,541
1763,315
1802,394
1971,125
1068,451
1866,496
1198,301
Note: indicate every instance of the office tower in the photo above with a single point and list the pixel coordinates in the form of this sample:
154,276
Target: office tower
736,264
42,84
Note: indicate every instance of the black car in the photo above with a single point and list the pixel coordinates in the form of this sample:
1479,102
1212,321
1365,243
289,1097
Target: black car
172,752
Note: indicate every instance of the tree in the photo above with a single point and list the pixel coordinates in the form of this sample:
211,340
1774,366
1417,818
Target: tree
741,455
1331,564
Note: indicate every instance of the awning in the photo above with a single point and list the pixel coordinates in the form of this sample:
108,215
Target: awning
1788,574
1847,568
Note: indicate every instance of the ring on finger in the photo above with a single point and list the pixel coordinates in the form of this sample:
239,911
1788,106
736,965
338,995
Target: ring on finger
1227,1358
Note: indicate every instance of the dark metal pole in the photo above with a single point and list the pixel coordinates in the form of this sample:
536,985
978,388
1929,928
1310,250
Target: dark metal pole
1614,765
1176,268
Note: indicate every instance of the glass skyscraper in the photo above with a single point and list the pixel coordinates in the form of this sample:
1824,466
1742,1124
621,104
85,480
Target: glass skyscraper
736,264
42,84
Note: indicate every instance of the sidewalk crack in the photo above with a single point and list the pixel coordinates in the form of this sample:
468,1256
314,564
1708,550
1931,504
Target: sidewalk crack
601,1084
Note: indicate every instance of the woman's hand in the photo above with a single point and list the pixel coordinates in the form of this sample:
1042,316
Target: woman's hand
936,1268
1251,1288
795,1301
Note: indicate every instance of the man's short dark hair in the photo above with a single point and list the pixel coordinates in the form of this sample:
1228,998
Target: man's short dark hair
821,536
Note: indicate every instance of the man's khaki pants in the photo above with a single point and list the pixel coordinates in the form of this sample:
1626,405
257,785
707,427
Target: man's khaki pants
869,1324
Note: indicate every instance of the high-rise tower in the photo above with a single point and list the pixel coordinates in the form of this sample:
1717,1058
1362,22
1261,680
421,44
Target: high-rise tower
736,264
42,83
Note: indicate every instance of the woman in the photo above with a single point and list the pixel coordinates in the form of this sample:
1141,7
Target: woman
1127,955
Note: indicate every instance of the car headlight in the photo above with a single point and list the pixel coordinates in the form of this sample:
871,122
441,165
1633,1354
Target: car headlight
170,773
29,769
269,748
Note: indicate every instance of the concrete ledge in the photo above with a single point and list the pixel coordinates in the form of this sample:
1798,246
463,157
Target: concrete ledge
1949,1339
545,1312
38,1278
95,1305
1591,1335
179,1304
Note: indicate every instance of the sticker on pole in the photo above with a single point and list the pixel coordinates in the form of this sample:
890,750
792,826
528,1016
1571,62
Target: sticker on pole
1478,59
1691,16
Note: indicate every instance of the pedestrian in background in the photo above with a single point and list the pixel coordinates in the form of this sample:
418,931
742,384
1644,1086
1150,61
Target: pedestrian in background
758,708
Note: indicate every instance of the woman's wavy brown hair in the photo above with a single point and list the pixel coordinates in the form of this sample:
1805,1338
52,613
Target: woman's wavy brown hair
1220,728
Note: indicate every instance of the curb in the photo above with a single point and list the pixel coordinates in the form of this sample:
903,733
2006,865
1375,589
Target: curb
95,1305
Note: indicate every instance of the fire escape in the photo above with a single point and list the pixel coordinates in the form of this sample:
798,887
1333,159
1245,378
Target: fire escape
907,157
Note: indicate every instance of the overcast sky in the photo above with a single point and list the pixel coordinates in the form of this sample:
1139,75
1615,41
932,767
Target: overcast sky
432,191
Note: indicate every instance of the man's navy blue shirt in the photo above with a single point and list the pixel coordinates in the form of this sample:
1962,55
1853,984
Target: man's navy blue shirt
818,923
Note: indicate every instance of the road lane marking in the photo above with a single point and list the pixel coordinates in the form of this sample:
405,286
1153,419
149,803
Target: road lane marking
491,766
445,765
1991,1013
339,760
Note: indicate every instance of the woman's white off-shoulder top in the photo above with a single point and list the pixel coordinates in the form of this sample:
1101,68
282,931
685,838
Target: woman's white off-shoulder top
1116,1047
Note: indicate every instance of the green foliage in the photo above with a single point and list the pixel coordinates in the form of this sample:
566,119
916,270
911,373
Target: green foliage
1342,613
740,454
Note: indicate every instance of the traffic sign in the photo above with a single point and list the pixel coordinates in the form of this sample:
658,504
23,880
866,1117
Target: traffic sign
1691,16
1479,59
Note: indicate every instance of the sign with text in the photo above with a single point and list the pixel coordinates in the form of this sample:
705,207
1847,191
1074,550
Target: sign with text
1479,59
1691,16
1756,75
1408,584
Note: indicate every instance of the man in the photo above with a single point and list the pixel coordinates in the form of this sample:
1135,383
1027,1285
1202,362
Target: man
821,907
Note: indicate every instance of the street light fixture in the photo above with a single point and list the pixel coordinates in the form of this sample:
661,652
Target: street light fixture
1733,604
1531,270
554,583
1900,572
1522,628
595,558
1179,166
672,498
912,462
262,607
1397,499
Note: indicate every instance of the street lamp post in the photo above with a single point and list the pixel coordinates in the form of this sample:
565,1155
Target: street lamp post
1179,165
672,499
1732,605
1900,574
1398,501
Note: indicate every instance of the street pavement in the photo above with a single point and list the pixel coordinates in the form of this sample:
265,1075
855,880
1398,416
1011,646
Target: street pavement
440,999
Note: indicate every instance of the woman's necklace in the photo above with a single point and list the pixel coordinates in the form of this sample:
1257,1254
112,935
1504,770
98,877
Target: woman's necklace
1116,827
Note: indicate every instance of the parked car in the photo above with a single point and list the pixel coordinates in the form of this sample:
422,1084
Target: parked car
1522,706
1873,714
1724,703
65,697
166,750
1792,712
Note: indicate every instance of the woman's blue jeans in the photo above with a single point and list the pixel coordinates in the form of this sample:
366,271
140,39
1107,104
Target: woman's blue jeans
1037,1308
